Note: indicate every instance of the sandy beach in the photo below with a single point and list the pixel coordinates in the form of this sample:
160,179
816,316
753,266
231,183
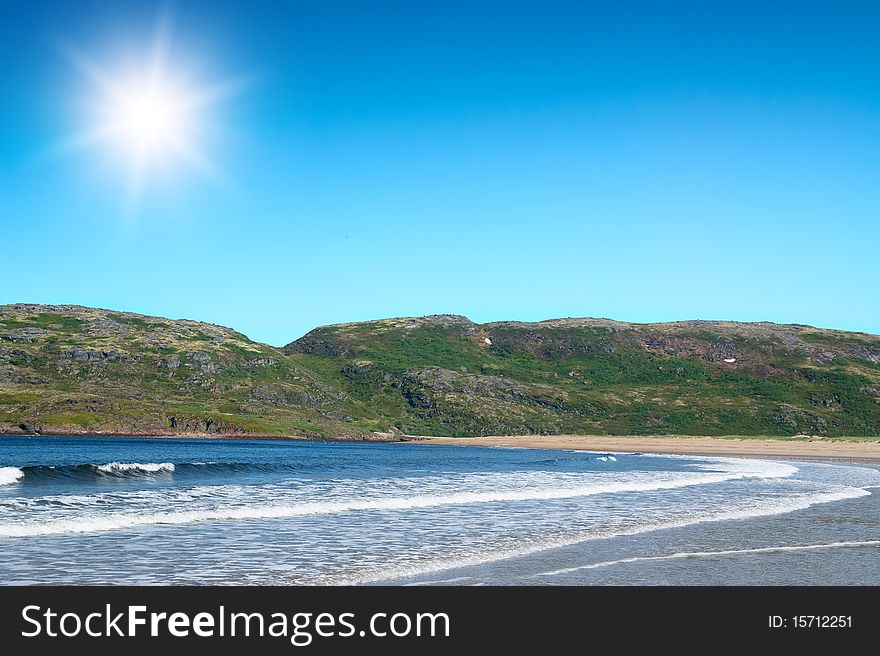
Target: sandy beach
683,445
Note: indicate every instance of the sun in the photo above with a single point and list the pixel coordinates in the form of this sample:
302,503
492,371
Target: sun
148,114
149,118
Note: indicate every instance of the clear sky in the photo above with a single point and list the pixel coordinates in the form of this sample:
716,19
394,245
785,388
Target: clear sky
513,160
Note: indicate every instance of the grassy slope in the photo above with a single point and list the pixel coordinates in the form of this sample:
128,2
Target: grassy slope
440,376
67,369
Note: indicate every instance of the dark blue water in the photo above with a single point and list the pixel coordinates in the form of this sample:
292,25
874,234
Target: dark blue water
164,511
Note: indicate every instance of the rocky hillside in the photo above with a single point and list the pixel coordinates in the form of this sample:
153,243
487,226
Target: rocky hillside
73,369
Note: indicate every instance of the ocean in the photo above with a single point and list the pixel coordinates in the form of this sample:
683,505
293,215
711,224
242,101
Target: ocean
103,510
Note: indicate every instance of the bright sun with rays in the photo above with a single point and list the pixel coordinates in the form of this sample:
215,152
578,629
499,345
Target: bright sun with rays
148,117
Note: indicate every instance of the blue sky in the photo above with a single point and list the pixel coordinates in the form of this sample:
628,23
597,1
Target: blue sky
518,160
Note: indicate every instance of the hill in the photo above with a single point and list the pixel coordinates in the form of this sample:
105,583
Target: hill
70,369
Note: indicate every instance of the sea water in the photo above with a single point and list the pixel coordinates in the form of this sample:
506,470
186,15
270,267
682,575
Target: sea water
105,510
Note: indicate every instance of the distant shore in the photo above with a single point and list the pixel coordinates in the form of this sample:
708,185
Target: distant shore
195,435
866,451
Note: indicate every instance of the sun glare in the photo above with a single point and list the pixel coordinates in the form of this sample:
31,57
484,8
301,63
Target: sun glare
148,116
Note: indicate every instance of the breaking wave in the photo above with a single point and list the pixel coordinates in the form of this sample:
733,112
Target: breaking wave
125,467
118,470
10,475
224,503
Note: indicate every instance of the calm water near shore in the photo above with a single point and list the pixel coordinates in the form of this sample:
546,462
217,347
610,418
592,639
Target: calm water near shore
175,511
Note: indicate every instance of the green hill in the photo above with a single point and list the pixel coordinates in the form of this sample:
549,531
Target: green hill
69,369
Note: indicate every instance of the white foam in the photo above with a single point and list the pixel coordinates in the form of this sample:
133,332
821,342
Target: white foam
711,554
601,453
534,486
456,579
151,467
10,475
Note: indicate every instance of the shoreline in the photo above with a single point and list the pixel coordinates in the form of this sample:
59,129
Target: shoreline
865,452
